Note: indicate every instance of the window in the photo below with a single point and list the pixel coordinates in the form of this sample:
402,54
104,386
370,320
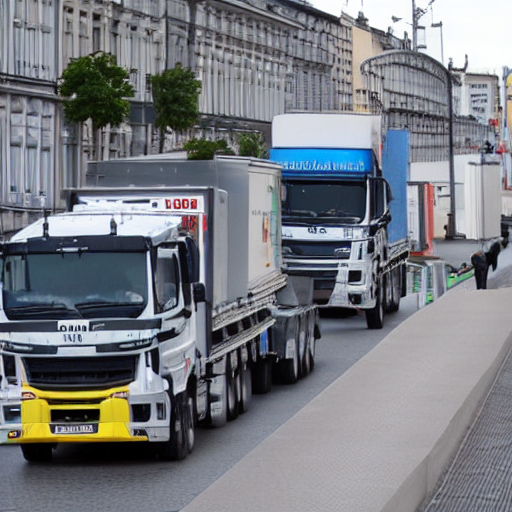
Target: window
166,279
96,39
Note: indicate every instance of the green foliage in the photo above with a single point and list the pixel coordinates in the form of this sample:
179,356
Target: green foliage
176,98
252,144
203,149
95,87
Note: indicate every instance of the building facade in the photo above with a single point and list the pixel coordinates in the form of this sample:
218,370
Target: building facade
255,59
29,153
480,97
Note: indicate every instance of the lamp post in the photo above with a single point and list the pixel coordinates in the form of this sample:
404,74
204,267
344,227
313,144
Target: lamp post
451,230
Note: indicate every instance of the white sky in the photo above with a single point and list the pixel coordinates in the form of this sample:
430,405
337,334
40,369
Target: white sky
482,29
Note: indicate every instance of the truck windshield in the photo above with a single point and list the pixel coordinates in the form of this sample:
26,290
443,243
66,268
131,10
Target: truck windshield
74,285
314,202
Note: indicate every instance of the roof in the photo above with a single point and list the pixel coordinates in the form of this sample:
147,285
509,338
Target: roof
156,226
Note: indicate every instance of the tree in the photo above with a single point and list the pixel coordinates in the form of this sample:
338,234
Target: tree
252,144
176,100
202,149
95,87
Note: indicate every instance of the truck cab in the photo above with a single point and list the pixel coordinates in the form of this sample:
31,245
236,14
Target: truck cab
338,209
330,220
98,319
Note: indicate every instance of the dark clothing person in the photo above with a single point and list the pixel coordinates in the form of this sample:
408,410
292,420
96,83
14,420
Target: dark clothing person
481,262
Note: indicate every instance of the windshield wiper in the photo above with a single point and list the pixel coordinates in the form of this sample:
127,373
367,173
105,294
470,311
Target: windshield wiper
300,213
105,304
290,221
50,307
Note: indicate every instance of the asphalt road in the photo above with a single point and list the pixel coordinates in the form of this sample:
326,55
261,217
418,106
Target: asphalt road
110,478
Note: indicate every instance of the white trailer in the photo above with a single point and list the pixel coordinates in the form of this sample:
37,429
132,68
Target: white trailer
156,302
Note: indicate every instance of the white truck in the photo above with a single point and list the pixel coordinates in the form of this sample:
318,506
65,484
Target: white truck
156,302
345,214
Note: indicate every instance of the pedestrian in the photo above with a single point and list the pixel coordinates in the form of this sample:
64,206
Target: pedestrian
481,262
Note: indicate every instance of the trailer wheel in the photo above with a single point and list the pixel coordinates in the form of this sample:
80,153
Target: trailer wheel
262,376
308,362
181,435
375,316
395,287
37,452
312,354
245,383
289,369
217,401
233,385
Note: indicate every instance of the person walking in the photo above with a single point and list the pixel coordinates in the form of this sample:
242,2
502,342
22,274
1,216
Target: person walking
481,262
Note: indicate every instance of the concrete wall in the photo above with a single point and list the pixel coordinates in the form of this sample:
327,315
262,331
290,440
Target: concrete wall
380,436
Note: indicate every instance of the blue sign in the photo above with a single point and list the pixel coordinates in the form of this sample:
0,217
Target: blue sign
314,161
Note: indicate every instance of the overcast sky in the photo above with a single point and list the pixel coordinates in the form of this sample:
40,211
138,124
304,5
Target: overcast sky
482,29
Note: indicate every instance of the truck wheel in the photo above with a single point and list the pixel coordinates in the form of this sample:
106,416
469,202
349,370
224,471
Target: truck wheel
182,435
312,354
218,401
37,452
306,362
245,385
262,376
395,287
314,333
375,316
233,385
290,368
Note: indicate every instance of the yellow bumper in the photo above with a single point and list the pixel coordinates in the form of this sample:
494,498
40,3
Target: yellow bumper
42,416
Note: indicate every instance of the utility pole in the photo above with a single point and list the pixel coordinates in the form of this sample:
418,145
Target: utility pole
451,227
417,13
414,28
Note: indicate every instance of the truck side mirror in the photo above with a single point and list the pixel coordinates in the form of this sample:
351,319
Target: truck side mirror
199,292
386,218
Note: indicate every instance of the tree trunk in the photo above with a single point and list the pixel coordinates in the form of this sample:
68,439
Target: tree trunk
162,140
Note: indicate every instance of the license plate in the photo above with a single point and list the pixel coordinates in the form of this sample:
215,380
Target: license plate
89,428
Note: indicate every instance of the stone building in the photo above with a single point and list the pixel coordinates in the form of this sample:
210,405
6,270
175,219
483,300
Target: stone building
29,152
255,59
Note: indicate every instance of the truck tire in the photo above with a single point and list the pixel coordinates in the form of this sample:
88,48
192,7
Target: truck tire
218,401
308,362
37,452
182,434
233,385
262,376
375,316
395,286
289,369
245,383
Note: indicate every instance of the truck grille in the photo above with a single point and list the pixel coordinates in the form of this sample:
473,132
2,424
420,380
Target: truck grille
80,372
317,249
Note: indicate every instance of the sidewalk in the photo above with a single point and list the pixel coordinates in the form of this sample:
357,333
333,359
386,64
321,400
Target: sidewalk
381,436
478,478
